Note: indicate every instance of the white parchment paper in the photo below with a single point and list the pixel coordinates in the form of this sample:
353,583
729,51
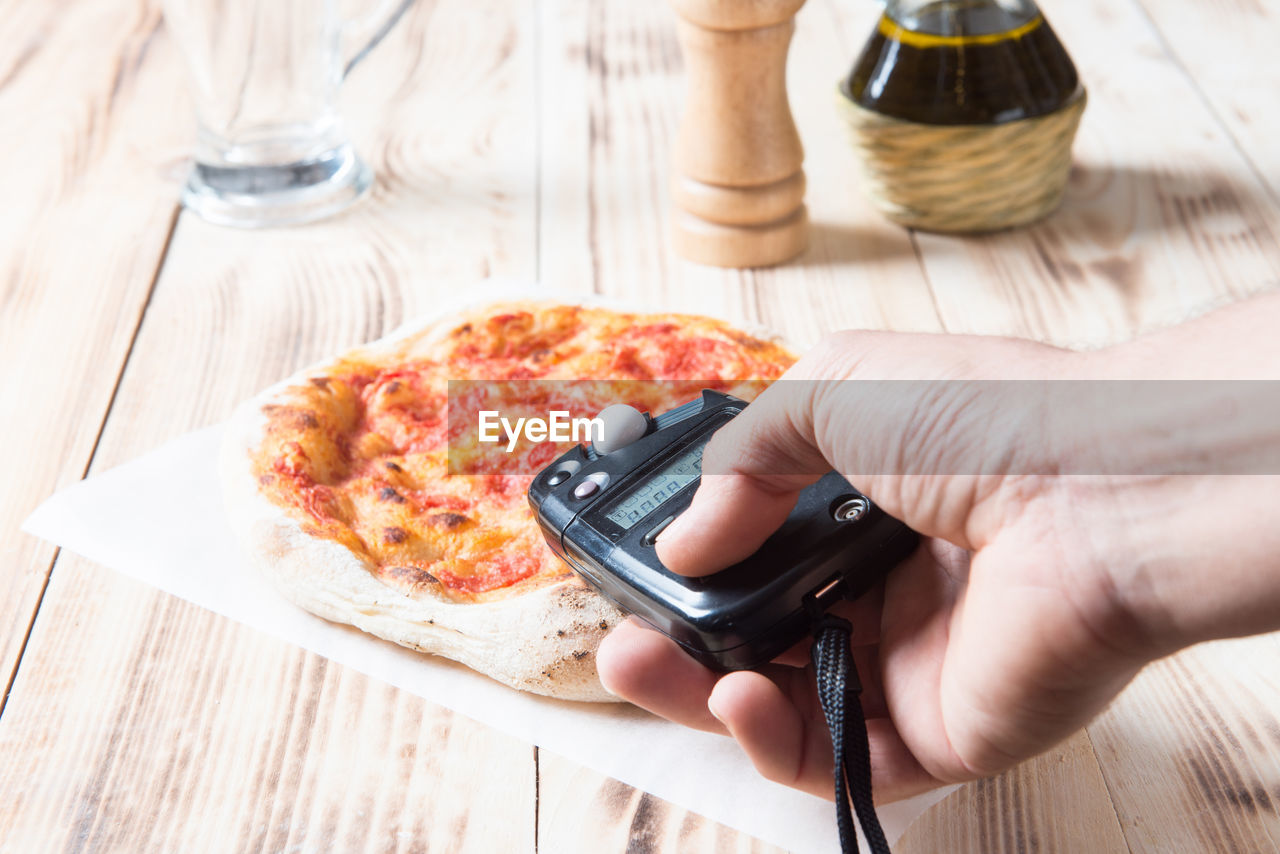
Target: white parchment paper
160,519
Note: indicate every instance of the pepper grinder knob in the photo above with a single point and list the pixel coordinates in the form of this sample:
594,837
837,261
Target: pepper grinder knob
738,186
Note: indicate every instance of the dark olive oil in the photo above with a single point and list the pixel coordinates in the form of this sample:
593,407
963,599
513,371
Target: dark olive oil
961,62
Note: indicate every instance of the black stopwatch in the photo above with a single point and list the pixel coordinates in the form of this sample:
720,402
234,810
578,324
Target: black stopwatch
602,506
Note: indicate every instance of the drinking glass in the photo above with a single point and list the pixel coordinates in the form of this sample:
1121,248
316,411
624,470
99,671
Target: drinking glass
270,145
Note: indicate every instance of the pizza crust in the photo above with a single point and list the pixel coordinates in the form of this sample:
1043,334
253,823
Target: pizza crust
542,641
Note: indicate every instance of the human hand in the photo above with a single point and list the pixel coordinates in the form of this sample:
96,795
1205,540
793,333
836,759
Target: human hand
1028,609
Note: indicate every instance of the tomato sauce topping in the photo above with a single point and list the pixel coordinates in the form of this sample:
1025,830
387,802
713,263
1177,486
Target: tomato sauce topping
502,569
403,409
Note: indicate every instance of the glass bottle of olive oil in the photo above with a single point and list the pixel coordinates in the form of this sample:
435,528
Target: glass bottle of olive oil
962,62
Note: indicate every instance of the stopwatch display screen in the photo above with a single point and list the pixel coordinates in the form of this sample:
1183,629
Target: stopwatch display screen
658,488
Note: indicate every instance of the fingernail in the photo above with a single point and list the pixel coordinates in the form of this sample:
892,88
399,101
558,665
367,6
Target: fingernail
676,525
712,709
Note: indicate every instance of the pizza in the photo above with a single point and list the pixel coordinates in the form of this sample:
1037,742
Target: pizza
360,488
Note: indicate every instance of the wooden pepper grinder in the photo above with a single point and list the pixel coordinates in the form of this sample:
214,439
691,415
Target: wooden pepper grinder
738,185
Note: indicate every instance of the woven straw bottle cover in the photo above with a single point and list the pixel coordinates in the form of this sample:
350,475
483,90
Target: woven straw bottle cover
963,114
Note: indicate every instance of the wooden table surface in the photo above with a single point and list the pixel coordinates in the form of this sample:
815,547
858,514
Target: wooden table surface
531,139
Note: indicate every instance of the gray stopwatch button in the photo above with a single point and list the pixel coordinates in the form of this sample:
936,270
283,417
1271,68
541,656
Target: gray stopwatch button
620,426
591,484
567,469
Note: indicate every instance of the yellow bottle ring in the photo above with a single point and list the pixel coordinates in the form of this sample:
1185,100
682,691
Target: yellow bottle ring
893,31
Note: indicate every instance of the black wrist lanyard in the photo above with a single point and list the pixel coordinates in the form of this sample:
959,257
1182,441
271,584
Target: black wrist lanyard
839,693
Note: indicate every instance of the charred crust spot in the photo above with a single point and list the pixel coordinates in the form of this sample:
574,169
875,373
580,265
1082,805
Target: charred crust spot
291,417
579,654
390,466
388,493
412,575
604,625
320,382
559,633
448,520
464,329
394,536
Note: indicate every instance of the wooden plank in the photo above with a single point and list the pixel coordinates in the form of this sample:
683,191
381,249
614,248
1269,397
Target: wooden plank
221,281
89,204
1191,751
140,723
453,203
611,82
582,812
1055,802
1227,51
145,723
1163,217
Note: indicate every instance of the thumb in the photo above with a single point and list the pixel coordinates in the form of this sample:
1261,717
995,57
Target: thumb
928,446
753,470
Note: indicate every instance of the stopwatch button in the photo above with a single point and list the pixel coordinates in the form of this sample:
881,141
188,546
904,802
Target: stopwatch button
620,426
591,484
652,537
